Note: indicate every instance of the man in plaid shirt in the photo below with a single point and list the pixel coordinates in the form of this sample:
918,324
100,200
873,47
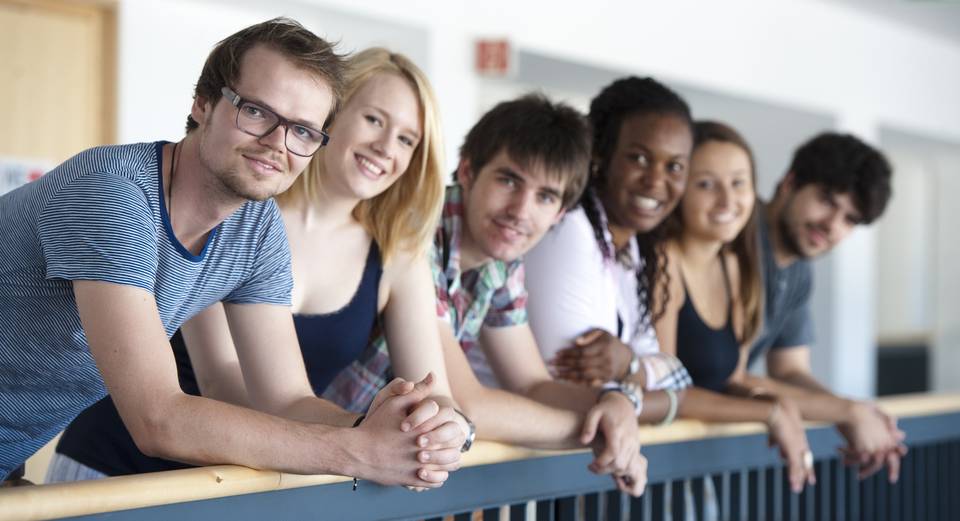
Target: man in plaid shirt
522,166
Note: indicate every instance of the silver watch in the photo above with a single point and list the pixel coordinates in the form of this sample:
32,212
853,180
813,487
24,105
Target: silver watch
471,435
628,389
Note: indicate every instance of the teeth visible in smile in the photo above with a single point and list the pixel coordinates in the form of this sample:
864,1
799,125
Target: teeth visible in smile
265,165
646,203
369,165
723,217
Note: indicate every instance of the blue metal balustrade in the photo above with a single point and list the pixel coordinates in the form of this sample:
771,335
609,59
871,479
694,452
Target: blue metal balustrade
746,477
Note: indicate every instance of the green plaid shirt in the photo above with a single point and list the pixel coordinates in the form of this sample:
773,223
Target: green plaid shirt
491,295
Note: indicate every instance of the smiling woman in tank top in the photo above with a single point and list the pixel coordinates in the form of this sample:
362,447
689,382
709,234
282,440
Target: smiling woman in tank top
715,299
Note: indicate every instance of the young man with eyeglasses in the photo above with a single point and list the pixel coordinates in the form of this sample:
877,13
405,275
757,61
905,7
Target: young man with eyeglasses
108,254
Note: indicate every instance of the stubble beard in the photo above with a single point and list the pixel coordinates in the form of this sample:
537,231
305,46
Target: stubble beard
788,238
227,184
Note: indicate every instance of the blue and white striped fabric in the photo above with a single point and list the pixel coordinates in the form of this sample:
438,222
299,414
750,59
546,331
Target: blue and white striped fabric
101,216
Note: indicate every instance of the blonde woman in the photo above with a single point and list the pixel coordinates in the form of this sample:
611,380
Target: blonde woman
358,221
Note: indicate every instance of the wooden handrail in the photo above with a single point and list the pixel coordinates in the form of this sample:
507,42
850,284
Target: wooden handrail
143,490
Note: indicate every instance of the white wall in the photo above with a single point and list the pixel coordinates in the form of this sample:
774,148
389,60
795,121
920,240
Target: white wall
809,55
906,237
159,66
946,342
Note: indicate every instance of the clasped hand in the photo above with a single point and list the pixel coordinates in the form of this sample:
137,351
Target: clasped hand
411,440
873,440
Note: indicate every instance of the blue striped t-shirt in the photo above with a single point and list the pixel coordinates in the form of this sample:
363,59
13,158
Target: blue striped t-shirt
101,216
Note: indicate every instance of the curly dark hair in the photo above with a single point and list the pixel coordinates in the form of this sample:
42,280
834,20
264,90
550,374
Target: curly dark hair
624,98
842,163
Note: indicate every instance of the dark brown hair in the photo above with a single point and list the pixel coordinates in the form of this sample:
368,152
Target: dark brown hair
534,132
305,49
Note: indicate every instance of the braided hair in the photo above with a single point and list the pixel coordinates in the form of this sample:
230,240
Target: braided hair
624,98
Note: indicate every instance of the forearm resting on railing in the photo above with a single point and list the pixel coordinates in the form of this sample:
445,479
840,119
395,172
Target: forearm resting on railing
814,405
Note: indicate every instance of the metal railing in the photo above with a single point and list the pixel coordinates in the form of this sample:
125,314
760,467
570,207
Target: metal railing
697,471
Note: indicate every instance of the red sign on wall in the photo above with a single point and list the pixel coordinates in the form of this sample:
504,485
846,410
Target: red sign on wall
494,58
15,172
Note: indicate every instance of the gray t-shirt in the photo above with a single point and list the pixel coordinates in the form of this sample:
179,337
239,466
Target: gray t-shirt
786,322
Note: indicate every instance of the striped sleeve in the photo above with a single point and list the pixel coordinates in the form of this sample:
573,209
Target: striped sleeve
100,227
271,279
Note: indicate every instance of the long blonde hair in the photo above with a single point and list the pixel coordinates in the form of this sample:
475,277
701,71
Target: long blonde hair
404,216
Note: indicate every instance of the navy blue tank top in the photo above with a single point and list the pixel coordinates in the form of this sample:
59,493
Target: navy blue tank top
98,439
331,341
710,355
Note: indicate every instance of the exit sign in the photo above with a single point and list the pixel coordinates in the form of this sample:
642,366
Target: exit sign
494,57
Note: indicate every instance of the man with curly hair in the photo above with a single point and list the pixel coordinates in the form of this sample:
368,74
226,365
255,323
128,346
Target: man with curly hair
835,183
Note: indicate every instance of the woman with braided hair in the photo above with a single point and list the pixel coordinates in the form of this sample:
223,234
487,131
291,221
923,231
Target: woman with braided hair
601,279
590,279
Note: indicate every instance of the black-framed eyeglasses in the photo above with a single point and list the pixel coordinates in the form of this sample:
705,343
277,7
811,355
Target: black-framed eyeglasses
259,121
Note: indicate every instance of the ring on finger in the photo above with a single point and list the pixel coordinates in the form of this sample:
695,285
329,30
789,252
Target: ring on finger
807,459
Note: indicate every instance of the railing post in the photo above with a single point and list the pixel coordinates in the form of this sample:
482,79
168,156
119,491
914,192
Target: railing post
894,498
615,501
907,479
868,499
545,510
637,505
678,500
853,493
697,491
657,499
754,495
821,505
518,512
920,484
737,497
772,494
721,484
591,507
955,479
567,508
943,480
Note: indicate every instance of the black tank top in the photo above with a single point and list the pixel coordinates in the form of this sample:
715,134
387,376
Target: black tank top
710,355
98,439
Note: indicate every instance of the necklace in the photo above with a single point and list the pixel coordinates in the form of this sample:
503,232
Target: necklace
173,170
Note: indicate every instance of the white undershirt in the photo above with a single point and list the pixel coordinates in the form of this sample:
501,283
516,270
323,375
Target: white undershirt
573,289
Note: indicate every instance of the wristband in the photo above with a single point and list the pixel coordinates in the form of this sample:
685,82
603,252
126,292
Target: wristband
628,389
672,411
